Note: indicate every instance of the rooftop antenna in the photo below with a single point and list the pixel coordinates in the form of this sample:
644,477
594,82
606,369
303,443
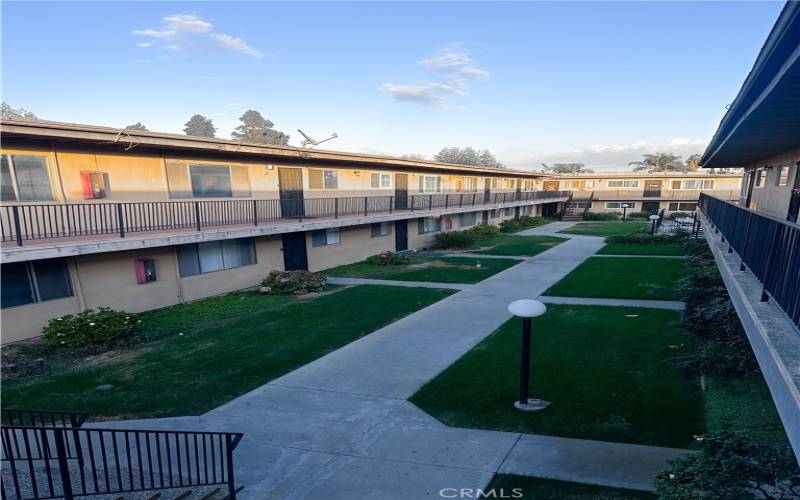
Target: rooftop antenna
309,142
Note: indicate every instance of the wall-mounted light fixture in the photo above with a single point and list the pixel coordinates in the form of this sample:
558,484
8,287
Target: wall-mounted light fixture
356,172
270,167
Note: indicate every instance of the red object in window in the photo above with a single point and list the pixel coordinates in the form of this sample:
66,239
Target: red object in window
86,184
145,270
93,184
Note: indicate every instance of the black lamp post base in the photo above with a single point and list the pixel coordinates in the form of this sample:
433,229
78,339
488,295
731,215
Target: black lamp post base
532,405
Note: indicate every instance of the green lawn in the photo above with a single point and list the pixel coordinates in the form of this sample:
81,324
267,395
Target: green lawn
744,405
438,270
548,489
229,345
607,370
648,278
607,228
634,249
510,244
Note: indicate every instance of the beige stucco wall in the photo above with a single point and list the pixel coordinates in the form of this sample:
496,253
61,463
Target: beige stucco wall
130,177
24,322
771,198
355,244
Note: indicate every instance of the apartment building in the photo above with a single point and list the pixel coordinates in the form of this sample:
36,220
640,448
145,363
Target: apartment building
94,216
645,192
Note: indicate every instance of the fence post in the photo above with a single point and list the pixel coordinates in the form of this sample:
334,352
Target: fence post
197,215
255,213
770,253
17,229
336,208
63,465
447,201
430,202
229,465
365,206
120,221
391,204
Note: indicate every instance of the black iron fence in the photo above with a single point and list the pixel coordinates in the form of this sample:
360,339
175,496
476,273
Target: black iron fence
46,221
40,418
768,247
58,462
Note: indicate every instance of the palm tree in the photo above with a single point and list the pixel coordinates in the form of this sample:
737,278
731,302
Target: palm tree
660,162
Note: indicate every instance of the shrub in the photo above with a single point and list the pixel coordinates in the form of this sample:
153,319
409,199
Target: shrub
388,259
453,239
292,282
729,466
533,220
643,238
678,215
510,226
639,215
91,328
483,231
595,216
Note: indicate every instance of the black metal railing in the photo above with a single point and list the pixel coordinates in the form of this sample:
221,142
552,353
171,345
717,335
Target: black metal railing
24,222
768,247
40,418
57,462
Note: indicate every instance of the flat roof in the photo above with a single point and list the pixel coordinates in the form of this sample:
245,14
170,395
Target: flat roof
639,175
137,139
764,119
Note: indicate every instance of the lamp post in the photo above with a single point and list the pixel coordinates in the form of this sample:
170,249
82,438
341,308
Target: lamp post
527,309
653,219
624,211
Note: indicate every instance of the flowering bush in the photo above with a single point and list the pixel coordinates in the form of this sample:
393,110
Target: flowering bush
90,328
292,282
388,259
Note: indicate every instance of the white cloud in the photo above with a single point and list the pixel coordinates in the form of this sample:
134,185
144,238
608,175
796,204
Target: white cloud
183,31
608,157
236,45
457,69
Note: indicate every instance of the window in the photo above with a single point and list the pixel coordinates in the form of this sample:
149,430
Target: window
508,211
682,207
503,183
783,175
623,184
430,184
468,219
201,258
494,214
527,210
380,180
693,184
210,181
619,204
93,184
323,179
579,184
324,237
380,229
430,225
466,184
528,184
761,178
35,281
25,178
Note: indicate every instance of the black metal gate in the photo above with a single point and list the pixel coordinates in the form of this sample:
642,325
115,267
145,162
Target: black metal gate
290,182
295,257
401,235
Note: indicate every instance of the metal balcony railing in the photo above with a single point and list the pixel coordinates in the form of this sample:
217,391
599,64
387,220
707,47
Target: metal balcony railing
664,194
24,222
768,247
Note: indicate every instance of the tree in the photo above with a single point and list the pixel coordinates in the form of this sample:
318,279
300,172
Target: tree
413,156
468,156
660,162
137,126
256,128
567,168
693,161
199,126
9,113
729,466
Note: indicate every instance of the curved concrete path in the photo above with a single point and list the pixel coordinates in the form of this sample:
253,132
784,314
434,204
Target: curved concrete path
341,428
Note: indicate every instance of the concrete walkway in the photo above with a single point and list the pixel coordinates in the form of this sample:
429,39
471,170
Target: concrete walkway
341,428
553,229
335,280
482,256
673,305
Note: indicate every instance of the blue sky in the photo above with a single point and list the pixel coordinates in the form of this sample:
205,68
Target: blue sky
598,82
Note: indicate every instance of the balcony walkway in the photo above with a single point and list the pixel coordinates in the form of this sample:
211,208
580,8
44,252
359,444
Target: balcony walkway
341,426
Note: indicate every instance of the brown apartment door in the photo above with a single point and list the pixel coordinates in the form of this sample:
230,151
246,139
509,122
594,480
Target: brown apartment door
751,180
290,187
401,191
652,189
794,199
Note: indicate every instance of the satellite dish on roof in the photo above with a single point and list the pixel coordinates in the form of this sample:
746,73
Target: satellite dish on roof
309,142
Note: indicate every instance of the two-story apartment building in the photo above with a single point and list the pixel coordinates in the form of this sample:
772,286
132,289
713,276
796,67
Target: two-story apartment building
645,192
94,216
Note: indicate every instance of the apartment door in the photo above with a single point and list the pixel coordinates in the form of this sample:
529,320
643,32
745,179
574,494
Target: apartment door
295,257
794,199
652,189
401,191
290,187
519,189
401,235
487,189
550,185
751,180
485,217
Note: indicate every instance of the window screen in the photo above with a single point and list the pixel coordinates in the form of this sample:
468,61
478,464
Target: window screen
36,281
52,278
210,181
16,284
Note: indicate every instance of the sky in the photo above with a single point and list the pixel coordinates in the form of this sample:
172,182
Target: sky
595,82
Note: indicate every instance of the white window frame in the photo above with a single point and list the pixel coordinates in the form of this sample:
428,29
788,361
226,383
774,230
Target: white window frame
783,175
385,229
695,184
619,205
437,183
324,171
191,186
624,183
426,229
333,236
761,178
13,174
381,177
